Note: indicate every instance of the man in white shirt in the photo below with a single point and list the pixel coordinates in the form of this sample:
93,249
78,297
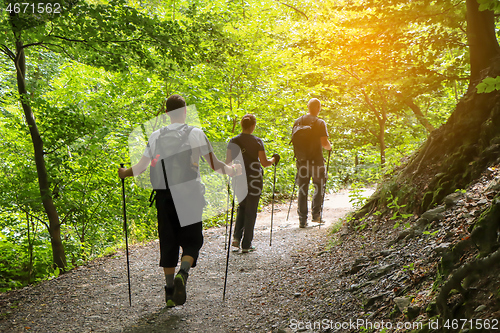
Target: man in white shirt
179,214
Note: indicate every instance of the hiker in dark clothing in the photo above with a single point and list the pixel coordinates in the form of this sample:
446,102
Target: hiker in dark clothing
254,155
310,162
173,230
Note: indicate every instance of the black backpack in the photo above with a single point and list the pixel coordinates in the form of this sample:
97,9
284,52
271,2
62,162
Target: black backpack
172,157
302,139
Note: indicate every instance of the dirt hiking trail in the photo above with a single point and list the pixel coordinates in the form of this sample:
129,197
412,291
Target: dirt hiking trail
295,278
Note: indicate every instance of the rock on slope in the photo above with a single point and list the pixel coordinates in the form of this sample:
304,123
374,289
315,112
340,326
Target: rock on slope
440,271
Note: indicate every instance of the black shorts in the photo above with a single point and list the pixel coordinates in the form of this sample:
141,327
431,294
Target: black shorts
172,235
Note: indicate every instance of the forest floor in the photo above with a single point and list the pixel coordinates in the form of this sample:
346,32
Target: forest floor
309,280
260,285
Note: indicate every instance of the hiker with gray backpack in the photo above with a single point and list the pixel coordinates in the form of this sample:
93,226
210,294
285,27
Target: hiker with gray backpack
173,155
309,137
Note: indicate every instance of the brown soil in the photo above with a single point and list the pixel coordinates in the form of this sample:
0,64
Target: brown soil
309,280
94,298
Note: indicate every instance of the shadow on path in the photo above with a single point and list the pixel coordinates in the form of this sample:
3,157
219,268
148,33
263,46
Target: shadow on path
162,321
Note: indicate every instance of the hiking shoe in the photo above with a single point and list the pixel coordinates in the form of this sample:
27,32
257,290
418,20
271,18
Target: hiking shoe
180,280
251,249
302,224
318,220
169,294
236,243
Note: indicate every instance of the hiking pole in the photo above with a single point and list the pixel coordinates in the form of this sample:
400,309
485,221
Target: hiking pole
324,189
227,213
291,199
272,208
126,236
228,250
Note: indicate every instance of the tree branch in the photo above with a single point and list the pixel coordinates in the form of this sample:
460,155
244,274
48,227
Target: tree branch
418,113
25,46
292,7
67,215
138,39
350,72
44,45
7,52
440,13
374,134
36,217
370,105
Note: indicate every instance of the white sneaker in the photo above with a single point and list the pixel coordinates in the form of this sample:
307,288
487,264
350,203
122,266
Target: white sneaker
251,249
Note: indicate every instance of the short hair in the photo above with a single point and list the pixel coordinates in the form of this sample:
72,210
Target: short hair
175,102
314,105
248,121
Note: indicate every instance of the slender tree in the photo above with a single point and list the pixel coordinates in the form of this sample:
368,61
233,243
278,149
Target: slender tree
19,59
112,35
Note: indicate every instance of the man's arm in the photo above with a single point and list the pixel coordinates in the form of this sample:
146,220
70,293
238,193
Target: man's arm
325,143
135,170
229,158
221,167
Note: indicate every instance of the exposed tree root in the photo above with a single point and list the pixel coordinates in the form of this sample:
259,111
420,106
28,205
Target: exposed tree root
484,238
455,281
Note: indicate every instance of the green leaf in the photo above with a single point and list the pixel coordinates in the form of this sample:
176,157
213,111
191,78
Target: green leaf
488,85
493,5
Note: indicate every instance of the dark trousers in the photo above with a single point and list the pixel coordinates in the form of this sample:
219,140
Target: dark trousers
306,171
247,212
172,235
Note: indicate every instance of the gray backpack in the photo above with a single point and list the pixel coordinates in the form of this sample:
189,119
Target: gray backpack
173,153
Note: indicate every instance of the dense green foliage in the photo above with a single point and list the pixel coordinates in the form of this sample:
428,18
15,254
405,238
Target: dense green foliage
102,68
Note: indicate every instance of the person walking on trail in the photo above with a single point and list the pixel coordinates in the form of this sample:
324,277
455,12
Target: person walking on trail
254,156
309,136
173,230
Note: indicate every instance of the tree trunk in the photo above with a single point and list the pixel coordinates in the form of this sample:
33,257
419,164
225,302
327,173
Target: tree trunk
381,117
381,140
459,151
420,116
58,253
483,44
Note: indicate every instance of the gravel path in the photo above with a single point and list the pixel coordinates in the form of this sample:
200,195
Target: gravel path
294,279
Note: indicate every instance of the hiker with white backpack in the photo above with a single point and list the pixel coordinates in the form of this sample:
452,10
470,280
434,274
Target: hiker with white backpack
173,155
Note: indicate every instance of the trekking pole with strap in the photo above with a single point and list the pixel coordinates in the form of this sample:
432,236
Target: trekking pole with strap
228,250
324,188
272,208
291,199
227,214
126,237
